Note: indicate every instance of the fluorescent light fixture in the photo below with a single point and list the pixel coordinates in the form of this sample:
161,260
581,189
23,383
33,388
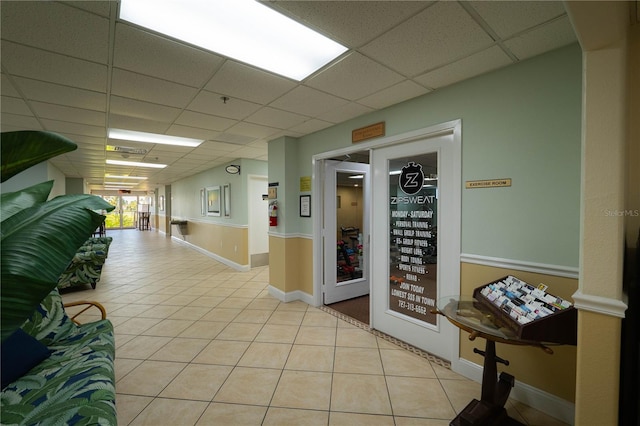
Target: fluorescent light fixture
244,30
356,177
131,135
136,164
124,177
122,183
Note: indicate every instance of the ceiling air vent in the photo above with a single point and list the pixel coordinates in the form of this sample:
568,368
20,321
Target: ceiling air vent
127,150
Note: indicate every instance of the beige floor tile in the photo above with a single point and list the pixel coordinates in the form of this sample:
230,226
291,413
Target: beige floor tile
130,310
255,316
277,333
295,417
303,389
170,412
353,419
385,344
197,382
232,414
124,366
204,329
446,373
404,363
195,291
531,416
153,299
136,325
286,317
415,421
129,406
253,386
221,314
220,291
417,397
240,331
358,360
355,337
121,339
319,319
179,300
191,313
222,352
149,378
296,305
142,347
267,304
168,328
360,393
234,302
207,301
311,358
265,355
159,311
180,350
460,392
246,292
324,336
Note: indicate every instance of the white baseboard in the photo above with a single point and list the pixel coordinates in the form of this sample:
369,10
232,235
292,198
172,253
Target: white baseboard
533,397
236,266
292,296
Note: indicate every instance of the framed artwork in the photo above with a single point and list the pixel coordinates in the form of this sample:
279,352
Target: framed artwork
305,206
214,201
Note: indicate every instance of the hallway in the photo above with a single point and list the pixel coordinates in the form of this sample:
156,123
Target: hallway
200,343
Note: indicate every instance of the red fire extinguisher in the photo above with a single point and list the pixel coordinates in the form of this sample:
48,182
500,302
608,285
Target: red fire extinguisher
273,214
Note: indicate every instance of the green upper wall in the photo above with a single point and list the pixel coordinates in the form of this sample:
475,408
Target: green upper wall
521,122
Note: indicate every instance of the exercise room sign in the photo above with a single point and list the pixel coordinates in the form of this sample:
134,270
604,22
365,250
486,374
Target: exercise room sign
412,246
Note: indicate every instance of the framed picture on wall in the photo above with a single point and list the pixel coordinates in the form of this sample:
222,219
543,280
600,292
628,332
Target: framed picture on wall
214,201
305,206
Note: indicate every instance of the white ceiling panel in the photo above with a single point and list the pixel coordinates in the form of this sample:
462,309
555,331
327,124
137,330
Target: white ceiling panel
354,76
149,54
468,67
438,35
244,82
75,68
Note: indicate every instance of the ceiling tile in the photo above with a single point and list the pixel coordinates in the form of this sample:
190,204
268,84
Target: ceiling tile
73,128
438,35
253,131
308,101
244,82
12,122
211,103
140,109
209,147
8,89
311,126
468,67
149,54
507,18
62,95
276,118
72,115
14,106
136,86
352,23
40,65
354,77
99,7
344,112
542,39
191,132
392,95
58,28
205,121
139,124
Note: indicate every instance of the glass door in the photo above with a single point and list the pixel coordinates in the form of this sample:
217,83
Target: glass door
346,224
416,241
124,215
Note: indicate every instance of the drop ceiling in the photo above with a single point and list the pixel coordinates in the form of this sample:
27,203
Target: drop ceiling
74,68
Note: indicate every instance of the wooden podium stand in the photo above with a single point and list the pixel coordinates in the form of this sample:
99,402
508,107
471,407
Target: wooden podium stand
480,319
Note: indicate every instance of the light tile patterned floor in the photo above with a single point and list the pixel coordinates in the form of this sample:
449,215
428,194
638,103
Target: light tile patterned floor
200,343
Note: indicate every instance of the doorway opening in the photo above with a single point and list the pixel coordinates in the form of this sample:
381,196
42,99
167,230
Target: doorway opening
345,218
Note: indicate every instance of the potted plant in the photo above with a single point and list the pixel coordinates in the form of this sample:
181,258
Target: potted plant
38,236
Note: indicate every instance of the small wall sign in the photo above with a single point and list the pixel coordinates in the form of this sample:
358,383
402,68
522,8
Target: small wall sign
488,183
368,132
305,184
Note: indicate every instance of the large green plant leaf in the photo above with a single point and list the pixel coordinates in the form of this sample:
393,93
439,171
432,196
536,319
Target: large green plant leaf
13,202
37,244
23,149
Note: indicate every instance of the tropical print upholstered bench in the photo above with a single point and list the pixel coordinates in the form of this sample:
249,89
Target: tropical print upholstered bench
86,265
65,371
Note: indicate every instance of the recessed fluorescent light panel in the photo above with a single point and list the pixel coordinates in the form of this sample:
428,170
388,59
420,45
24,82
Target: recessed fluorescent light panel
124,177
136,164
131,135
244,30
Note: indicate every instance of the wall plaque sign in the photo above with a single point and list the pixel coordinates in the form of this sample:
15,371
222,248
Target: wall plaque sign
488,183
368,132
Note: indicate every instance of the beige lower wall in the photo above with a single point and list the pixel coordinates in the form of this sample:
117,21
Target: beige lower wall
291,264
598,369
228,242
160,223
555,374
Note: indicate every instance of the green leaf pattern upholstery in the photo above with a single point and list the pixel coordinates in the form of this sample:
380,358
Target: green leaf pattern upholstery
86,265
76,384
